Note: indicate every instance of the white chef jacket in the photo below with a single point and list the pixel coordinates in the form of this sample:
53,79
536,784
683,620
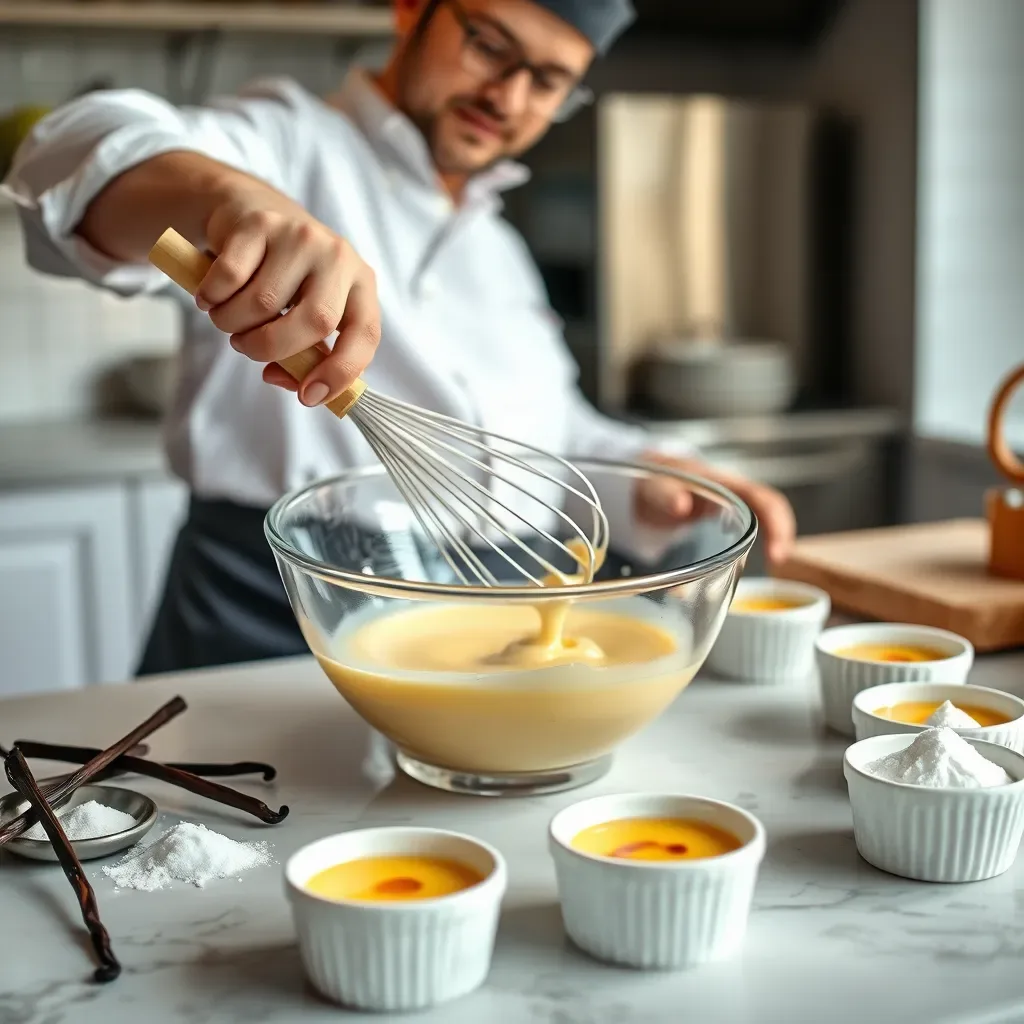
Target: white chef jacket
466,327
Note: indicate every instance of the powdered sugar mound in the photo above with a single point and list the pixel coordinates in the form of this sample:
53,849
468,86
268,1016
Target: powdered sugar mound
187,853
949,715
87,821
940,758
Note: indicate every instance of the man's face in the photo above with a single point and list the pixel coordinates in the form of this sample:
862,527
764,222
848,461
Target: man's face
455,86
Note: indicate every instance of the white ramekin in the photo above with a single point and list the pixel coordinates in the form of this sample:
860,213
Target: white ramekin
930,834
400,956
842,678
770,646
1010,734
656,914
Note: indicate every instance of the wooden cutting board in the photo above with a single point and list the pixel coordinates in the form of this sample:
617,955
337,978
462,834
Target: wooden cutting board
931,574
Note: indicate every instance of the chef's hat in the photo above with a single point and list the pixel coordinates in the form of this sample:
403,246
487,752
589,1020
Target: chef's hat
601,21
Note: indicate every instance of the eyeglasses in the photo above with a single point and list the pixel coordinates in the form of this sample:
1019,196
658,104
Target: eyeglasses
489,52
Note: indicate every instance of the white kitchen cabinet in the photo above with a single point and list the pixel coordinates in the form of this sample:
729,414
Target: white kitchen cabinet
66,588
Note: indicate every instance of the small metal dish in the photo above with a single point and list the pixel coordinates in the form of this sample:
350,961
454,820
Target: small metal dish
140,807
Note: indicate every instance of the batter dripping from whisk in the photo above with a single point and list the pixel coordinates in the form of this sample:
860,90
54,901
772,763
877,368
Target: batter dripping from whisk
551,645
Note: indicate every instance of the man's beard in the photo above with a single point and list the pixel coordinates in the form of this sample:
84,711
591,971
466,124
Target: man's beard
429,122
429,125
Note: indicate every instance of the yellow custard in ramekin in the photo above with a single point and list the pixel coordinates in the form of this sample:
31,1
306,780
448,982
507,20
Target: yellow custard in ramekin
917,712
891,653
396,919
656,880
756,604
390,879
655,839
863,655
769,631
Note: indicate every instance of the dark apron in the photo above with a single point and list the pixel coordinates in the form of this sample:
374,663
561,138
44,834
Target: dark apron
223,599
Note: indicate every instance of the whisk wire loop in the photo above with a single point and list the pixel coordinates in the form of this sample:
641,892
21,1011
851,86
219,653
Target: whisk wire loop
441,492
412,491
442,470
429,469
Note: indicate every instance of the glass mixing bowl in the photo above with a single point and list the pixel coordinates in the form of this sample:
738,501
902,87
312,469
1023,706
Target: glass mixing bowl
377,605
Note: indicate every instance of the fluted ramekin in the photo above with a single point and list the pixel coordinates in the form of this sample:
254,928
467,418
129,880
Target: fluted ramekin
842,678
770,646
658,915
397,956
1009,734
932,834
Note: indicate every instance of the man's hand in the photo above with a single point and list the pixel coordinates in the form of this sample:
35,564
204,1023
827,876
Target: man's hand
271,254
664,502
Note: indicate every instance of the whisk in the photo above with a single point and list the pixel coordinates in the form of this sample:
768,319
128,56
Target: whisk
434,460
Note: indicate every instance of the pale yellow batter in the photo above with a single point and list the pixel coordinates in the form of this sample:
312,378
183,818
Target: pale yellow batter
492,687
505,638
435,681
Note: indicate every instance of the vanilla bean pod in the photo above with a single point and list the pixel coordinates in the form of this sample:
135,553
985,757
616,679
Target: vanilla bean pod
183,780
60,791
128,763
22,779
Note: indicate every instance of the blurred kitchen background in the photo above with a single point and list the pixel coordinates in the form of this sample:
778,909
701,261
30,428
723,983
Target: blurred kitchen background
791,230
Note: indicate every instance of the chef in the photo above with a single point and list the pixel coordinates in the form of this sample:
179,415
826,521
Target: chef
372,216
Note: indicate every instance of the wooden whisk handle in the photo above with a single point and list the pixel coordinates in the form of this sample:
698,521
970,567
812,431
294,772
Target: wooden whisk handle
186,266
999,449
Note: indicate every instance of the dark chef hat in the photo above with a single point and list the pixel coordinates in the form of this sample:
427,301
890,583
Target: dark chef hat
601,21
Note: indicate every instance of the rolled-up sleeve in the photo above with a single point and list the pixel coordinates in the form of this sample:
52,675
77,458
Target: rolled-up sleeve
76,151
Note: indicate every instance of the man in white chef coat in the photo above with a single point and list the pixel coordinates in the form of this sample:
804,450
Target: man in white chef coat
374,214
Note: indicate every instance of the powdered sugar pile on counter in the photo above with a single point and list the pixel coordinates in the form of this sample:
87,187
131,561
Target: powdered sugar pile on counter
187,853
940,758
90,820
949,715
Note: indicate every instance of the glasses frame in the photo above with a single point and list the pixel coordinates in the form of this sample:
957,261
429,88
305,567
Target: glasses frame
580,96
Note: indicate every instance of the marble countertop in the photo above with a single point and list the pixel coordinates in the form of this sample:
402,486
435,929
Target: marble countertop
55,453
69,452
830,938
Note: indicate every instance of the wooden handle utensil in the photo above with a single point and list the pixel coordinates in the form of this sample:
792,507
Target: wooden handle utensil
186,266
1005,507
999,449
